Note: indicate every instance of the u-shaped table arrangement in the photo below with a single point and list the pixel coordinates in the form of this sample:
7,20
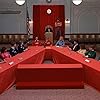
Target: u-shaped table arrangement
69,69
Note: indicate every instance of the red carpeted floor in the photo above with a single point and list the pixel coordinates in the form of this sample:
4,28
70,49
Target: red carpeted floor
51,94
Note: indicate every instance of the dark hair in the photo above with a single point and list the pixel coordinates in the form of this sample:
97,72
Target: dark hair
82,46
93,47
20,42
47,29
76,41
12,44
3,49
58,19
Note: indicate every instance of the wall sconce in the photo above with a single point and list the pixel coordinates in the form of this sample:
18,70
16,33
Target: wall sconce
30,21
77,2
20,2
67,21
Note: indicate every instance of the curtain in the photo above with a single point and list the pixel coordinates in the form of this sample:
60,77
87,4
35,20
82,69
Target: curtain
41,19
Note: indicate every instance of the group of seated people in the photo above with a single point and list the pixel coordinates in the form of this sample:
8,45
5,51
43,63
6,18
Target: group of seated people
12,51
73,45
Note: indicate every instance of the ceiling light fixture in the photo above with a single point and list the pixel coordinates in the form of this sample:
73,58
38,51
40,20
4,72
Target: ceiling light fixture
77,2
20,2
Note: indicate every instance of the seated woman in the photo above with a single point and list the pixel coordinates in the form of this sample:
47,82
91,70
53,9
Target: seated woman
36,42
4,53
47,42
82,49
76,46
21,47
60,42
91,53
13,50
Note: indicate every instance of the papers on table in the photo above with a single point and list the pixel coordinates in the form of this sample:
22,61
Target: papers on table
48,47
86,56
11,63
86,60
20,58
26,49
57,46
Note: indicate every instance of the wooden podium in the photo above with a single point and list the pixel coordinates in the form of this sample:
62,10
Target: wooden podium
49,35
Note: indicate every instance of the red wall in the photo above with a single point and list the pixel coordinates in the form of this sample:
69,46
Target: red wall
42,19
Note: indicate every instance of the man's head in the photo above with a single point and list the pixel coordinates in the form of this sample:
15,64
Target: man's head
61,38
36,38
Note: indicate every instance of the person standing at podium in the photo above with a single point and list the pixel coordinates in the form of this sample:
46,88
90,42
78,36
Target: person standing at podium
58,26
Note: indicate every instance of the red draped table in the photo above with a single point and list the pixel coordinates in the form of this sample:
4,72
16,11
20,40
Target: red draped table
61,55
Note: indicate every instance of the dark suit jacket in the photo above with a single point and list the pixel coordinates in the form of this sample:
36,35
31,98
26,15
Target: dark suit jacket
76,47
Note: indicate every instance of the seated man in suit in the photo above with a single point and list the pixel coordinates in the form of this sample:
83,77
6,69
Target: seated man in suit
58,25
13,50
76,46
21,47
91,53
36,42
60,42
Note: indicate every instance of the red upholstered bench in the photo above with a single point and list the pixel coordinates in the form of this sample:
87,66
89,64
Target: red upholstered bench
30,76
